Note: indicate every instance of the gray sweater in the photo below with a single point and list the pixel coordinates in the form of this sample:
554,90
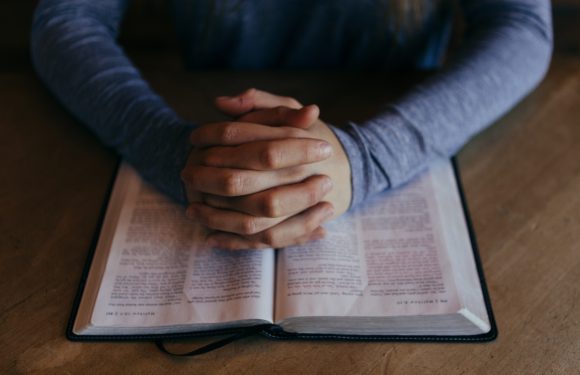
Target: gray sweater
505,52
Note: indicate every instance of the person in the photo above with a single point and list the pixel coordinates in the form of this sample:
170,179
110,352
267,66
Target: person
274,173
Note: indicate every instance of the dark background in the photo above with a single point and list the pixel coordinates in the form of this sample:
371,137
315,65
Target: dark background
147,30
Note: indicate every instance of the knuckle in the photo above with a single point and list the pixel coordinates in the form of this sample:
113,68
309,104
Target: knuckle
249,225
270,157
249,94
269,237
271,206
210,157
229,133
232,184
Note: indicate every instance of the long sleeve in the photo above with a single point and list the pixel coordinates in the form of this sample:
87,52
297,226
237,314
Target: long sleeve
506,52
75,53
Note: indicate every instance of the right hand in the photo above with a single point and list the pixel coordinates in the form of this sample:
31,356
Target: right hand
247,198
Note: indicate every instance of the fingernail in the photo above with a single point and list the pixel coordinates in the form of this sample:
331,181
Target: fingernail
324,149
224,98
328,213
327,185
318,235
191,211
211,242
314,109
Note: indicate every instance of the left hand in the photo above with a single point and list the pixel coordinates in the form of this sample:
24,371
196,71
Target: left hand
285,214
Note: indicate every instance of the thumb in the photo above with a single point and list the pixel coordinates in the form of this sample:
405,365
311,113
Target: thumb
302,118
251,100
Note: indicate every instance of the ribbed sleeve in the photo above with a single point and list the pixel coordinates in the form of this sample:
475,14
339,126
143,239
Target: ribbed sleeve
505,53
75,53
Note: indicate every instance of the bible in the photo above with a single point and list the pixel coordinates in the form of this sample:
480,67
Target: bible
404,266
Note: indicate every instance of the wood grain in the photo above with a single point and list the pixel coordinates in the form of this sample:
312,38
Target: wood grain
522,182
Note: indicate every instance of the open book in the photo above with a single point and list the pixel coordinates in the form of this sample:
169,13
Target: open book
403,265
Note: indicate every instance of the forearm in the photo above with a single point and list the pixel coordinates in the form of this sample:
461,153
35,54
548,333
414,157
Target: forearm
506,52
76,55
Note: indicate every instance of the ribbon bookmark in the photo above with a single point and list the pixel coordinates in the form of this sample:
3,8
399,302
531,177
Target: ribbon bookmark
216,344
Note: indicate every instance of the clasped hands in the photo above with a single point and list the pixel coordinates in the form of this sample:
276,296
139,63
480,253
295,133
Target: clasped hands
269,178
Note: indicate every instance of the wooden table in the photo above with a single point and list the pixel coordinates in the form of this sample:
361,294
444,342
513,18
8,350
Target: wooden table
522,182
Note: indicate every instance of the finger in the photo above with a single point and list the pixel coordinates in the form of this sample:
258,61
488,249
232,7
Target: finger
235,182
253,99
228,220
267,155
236,242
287,232
230,241
279,201
317,234
284,116
236,133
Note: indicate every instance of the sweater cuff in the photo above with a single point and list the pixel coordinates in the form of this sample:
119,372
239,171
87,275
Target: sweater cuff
161,155
358,156
384,153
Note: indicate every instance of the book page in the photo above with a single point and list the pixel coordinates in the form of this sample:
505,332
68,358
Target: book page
388,258
158,273
224,285
463,263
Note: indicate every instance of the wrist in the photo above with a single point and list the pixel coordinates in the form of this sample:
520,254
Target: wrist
353,150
